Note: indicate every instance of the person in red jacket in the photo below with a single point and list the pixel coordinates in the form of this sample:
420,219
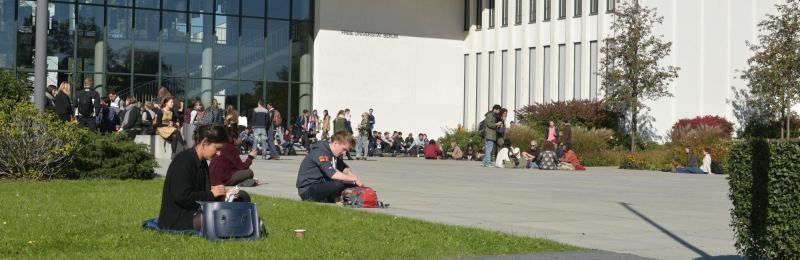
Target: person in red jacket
432,151
228,168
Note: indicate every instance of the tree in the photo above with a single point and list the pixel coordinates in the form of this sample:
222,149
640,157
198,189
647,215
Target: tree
773,74
630,67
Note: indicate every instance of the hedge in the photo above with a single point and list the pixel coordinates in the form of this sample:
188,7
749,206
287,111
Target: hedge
112,156
765,192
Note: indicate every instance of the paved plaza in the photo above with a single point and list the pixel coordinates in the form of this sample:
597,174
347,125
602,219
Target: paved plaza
649,214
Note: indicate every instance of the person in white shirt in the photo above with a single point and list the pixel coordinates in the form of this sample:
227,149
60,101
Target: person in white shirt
507,153
706,166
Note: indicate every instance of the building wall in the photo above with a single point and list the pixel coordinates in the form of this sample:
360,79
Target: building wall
708,44
411,73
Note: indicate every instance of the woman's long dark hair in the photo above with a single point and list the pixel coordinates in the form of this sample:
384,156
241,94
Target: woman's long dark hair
215,134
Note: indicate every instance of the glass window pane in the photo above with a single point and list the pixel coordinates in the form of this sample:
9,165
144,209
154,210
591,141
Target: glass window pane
173,44
200,26
25,31
146,32
250,92
145,88
226,93
253,7
278,94
229,7
301,51
278,8
119,40
90,38
177,5
251,59
204,6
7,32
277,50
148,4
60,37
302,10
192,89
92,1
226,47
176,86
300,99
119,83
121,2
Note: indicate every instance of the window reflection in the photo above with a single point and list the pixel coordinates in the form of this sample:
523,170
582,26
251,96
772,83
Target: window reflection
277,50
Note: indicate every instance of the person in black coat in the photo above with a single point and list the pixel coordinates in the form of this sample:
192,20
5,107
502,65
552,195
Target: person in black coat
63,103
188,181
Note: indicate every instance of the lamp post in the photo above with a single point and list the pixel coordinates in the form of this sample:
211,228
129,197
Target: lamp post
40,56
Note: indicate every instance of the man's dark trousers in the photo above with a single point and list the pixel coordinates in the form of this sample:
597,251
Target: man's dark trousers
325,192
88,122
273,152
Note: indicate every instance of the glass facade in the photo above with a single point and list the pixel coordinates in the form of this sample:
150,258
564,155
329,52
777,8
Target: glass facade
234,51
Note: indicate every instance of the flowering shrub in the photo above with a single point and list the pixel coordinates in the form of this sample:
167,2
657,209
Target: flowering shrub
680,128
34,144
585,113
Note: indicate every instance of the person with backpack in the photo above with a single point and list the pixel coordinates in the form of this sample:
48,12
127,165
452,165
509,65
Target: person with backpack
108,122
323,174
488,130
88,102
274,119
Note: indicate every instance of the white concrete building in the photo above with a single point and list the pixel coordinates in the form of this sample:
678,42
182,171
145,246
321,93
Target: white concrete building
428,64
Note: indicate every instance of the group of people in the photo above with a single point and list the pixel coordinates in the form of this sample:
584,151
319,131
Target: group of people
555,153
321,177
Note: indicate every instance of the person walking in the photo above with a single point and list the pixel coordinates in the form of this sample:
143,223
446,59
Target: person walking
88,103
63,102
490,126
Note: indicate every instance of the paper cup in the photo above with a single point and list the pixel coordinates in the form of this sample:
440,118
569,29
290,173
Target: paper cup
300,233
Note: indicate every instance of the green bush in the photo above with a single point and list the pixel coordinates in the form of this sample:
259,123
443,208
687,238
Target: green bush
765,192
462,137
653,160
34,144
14,88
521,136
110,157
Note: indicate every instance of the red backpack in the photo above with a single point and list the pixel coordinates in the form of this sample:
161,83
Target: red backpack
361,197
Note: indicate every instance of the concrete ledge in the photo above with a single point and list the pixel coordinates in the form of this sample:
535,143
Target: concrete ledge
156,145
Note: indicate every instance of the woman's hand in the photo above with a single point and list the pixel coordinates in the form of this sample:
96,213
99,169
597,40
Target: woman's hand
218,190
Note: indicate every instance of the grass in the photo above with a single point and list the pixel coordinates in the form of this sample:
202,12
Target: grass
102,219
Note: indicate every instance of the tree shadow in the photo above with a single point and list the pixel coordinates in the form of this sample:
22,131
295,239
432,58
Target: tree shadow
703,254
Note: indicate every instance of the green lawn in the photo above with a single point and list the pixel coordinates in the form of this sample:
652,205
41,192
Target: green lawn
102,219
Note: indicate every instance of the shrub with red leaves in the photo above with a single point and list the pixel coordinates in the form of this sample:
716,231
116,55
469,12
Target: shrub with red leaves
590,114
687,124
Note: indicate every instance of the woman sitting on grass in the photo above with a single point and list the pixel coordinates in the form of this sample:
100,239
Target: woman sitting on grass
455,153
228,169
188,181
